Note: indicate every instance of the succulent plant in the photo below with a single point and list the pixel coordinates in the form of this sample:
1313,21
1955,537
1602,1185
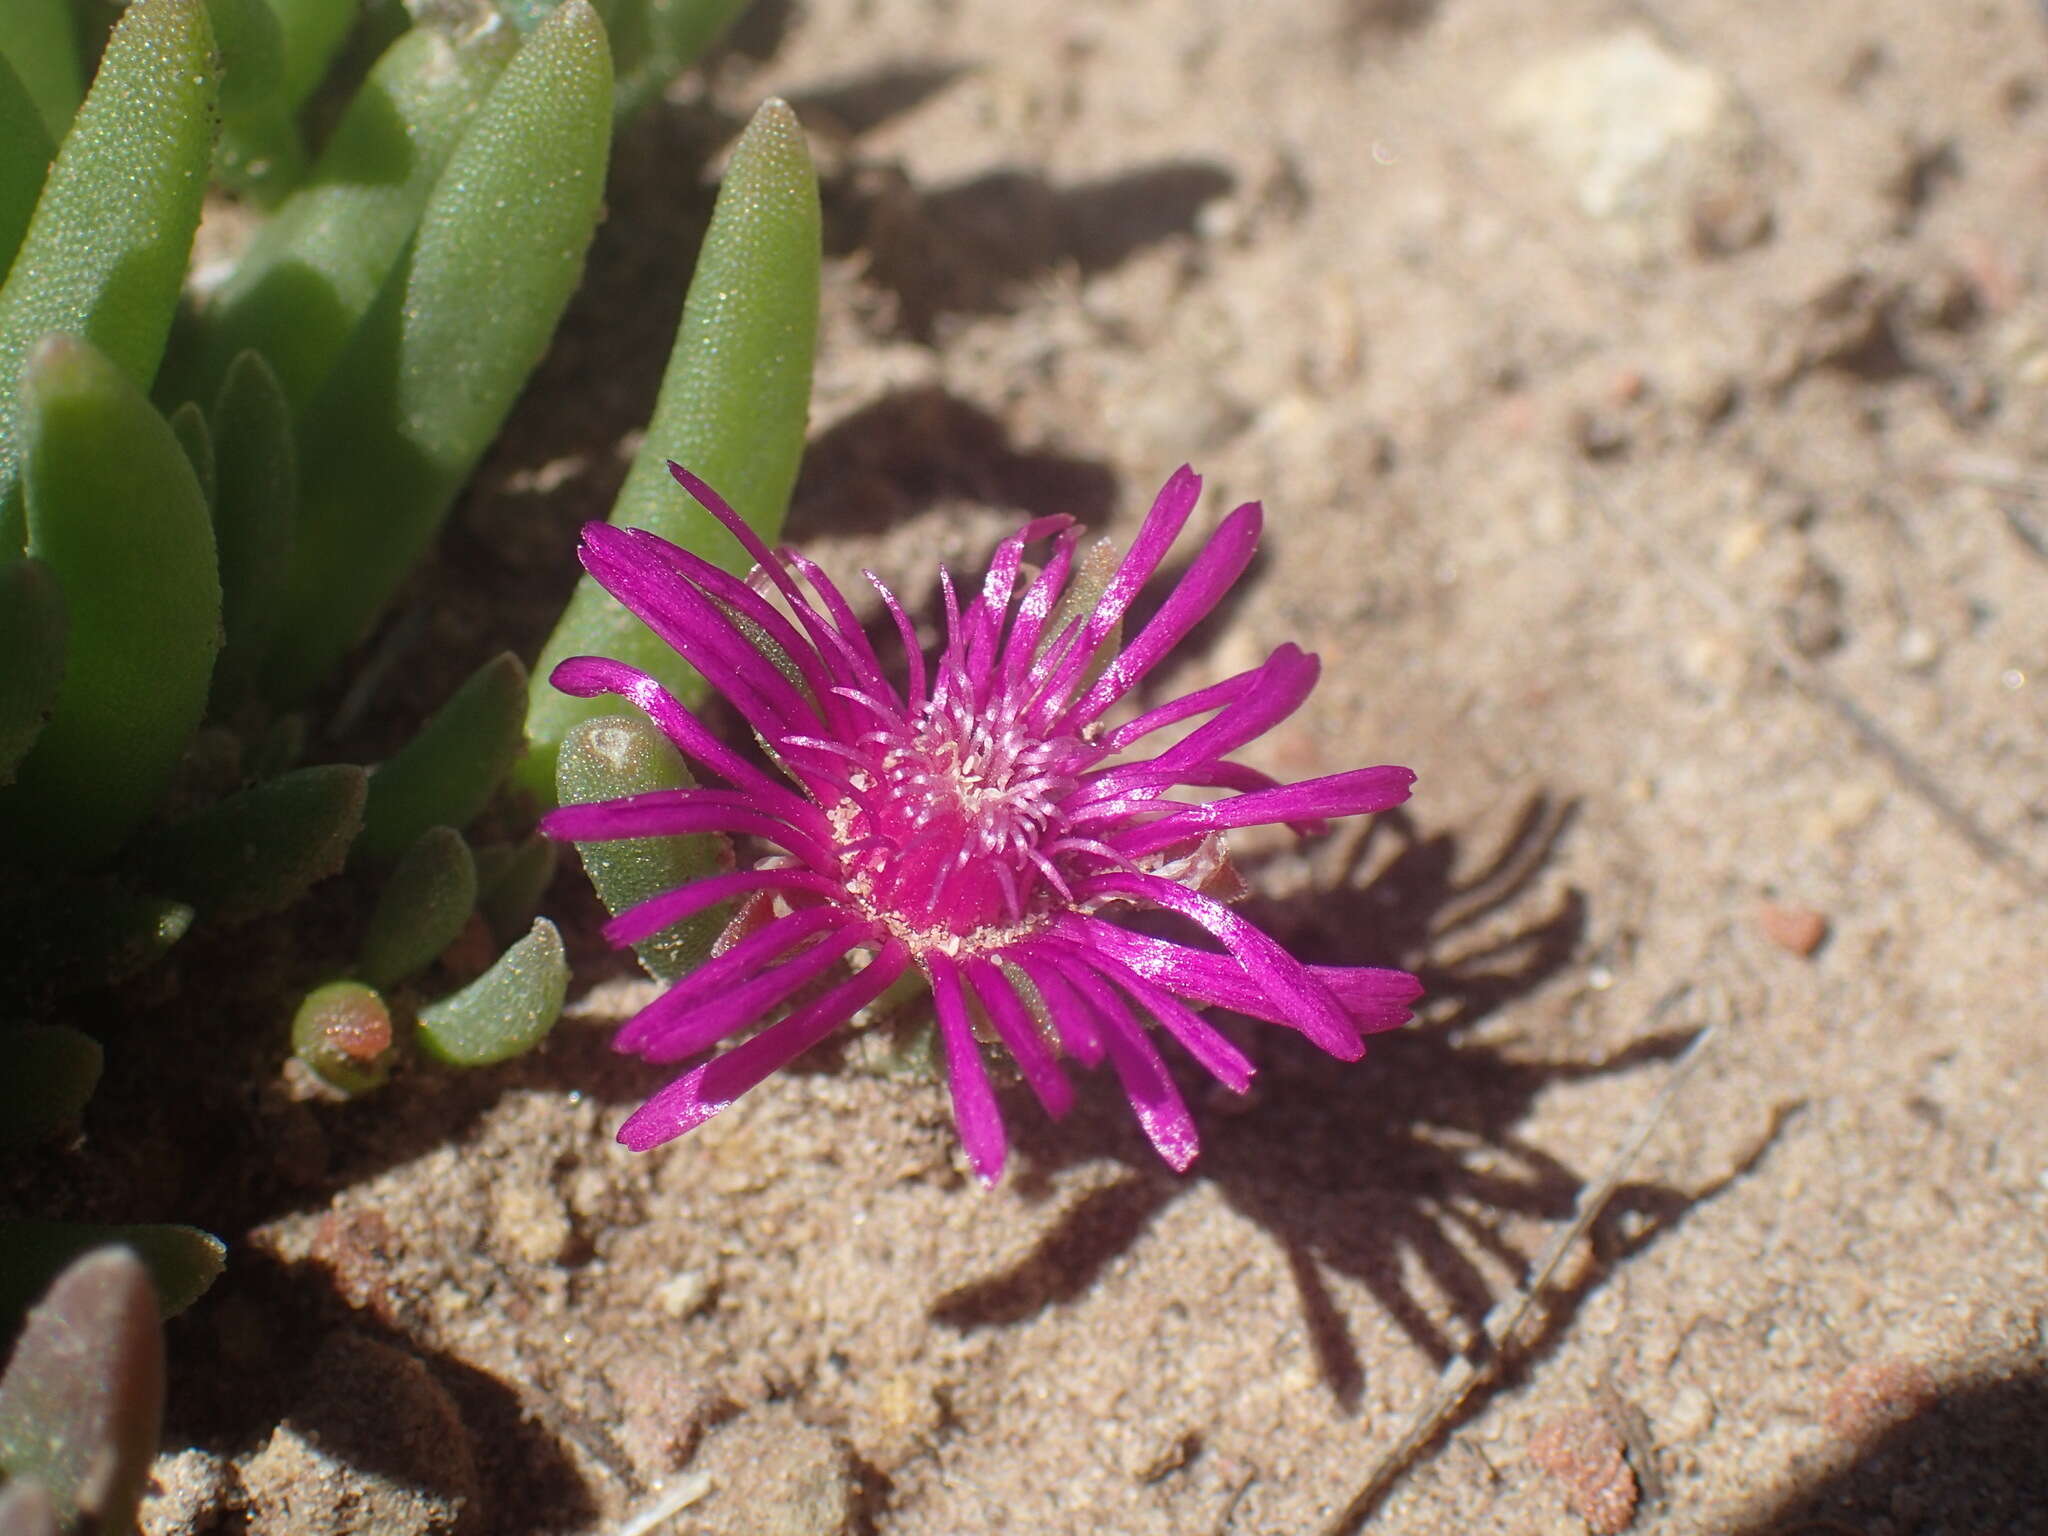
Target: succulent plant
210,490
82,1401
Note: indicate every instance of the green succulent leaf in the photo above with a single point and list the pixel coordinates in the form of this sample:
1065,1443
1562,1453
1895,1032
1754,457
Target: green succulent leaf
258,851
421,910
116,513
445,775
39,41
25,149
511,879
181,1261
32,640
82,1402
732,409
505,1012
309,277
188,425
619,755
255,514
425,384
50,1074
104,256
312,32
251,54
342,1032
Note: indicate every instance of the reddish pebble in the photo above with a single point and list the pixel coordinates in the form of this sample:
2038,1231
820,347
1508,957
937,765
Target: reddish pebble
1873,1395
1585,1452
1799,929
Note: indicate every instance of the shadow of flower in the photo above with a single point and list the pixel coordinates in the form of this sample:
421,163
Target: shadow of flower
1405,1172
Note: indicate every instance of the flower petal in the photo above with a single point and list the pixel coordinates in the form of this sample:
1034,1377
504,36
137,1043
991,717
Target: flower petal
675,812
1155,1099
1314,1011
1204,1041
753,952
659,912
695,1097
1215,571
686,1031
587,676
1375,998
1018,1031
974,1101
1356,793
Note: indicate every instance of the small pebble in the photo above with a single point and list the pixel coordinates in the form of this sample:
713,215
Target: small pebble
1800,930
1585,1452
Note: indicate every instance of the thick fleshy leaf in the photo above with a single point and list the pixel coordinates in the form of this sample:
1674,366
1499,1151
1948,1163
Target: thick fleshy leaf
342,1032
188,426
25,150
732,407
116,513
313,271
181,1261
32,640
428,378
104,256
617,755
39,41
445,775
505,1012
82,1400
50,1072
260,849
422,909
511,882
255,515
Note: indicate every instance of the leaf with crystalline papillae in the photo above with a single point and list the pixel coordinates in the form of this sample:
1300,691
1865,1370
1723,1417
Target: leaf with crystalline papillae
342,1032
70,933
182,1261
314,270
445,774
255,510
82,1399
116,512
260,849
427,899
25,149
188,426
32,639
608,759
104,256
39,40
427,381
505,1012
511,879
261,151
732,410
47,1073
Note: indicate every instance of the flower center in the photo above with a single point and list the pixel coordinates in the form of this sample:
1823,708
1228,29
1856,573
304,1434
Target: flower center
951,837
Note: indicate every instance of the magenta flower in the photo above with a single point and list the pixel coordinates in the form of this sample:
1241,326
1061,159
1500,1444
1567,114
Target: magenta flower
984,824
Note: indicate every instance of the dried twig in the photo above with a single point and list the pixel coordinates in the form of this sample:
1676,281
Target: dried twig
1484,1356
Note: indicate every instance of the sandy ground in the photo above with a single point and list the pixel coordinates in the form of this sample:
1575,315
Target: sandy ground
1646,400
